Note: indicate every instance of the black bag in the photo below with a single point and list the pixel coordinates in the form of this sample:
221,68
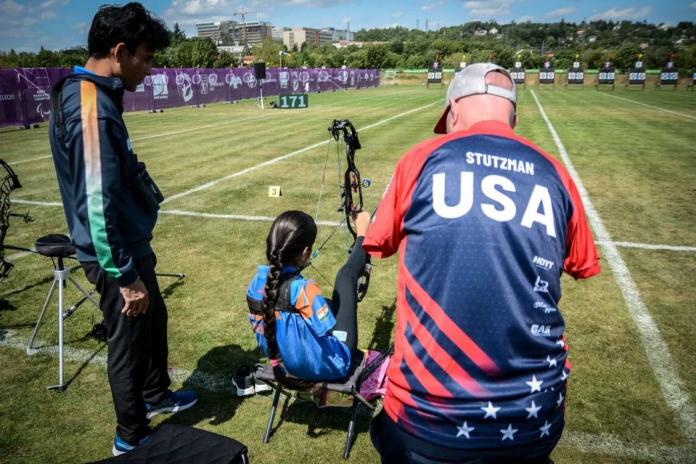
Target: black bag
173,443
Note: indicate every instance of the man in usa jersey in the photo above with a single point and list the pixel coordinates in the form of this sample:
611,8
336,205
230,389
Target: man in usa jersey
485,223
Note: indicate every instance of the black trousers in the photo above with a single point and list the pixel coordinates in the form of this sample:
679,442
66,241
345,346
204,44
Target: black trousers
397,446
137,359
344,300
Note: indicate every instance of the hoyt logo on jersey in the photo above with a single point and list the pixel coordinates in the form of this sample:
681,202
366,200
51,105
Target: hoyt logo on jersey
502,208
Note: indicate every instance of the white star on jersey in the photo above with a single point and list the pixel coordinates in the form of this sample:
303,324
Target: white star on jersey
508,433
559,401
544,429
535,384
560,342
552,362
532,410
564,375
464,430
490,411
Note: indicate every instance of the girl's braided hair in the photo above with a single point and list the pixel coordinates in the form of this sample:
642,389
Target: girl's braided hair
290,234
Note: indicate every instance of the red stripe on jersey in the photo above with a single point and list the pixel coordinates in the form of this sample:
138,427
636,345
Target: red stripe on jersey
447,325
440,356
397,394
422,374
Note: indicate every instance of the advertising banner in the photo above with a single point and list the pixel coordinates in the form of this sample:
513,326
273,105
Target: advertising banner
25,92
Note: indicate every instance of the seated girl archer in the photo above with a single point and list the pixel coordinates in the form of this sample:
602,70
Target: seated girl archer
301,332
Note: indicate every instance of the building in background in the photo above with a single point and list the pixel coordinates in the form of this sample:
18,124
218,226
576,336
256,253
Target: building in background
298,36
338,35
277,32
230,33
252,33
218,31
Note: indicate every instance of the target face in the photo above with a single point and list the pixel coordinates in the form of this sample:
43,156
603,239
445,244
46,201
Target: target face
547,76
607,76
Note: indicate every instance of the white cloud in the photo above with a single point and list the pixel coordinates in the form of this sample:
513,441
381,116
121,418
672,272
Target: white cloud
431,5
48,14
397,14
524,19
634,13
693,5
10,8
560,12
488,8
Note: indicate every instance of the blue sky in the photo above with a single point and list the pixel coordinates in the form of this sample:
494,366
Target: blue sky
56,24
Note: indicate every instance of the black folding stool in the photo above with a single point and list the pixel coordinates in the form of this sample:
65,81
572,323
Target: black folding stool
58,247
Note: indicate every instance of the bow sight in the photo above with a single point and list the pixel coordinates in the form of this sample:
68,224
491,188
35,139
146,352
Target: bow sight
351,197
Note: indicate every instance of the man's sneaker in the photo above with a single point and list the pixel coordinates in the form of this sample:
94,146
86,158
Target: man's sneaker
246,384
121,446
173,402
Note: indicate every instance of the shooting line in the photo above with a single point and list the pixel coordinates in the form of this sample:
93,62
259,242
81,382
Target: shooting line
655,348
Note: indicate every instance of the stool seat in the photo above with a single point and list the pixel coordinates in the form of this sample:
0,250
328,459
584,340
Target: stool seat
55,246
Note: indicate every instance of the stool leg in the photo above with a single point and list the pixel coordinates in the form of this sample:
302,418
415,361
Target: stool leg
30,347
271,415
60,279
351,428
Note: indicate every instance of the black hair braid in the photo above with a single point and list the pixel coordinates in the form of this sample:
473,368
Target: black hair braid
290,234
269,301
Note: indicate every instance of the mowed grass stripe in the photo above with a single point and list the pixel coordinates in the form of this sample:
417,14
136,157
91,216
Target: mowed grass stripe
646,105
286,156
300,178
639,162
197,150
655,347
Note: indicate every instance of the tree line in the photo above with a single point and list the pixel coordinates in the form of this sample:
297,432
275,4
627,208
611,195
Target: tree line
592,43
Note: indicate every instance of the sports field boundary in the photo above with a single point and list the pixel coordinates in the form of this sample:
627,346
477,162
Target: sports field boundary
655,348
214,182
604,444
649,106
252,218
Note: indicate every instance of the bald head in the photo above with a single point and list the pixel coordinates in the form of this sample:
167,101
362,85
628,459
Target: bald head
467,111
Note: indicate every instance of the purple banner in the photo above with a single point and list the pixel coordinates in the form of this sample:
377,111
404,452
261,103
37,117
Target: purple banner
25,92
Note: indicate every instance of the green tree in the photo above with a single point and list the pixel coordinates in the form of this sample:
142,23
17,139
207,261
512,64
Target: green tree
268,52
177,34
195,52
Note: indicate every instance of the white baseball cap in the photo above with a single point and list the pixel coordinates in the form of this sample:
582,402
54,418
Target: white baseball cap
471,80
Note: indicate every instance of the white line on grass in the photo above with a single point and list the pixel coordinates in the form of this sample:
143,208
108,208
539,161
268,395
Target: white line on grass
192,129
237,217
654,345
16,256
649,246
19,201
649,106
214,182
588,443
14,163
251,218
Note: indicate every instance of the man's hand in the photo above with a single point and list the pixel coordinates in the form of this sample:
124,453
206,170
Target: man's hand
136,298
362,222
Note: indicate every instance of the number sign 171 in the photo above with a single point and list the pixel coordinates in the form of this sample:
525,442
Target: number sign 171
293,101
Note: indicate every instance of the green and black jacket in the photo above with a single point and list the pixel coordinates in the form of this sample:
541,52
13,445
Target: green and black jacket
96,166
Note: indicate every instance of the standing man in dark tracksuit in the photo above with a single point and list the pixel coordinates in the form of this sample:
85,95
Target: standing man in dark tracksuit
111,209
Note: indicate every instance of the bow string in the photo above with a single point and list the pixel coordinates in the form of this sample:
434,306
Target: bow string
351,194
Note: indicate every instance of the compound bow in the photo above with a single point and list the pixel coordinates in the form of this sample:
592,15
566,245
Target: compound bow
8,183
351,195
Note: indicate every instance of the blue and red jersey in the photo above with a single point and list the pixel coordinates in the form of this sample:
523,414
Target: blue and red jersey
484,222
307,347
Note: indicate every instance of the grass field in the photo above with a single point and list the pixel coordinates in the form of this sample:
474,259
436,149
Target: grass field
633,386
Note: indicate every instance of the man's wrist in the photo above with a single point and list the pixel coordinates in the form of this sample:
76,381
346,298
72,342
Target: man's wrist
127,278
